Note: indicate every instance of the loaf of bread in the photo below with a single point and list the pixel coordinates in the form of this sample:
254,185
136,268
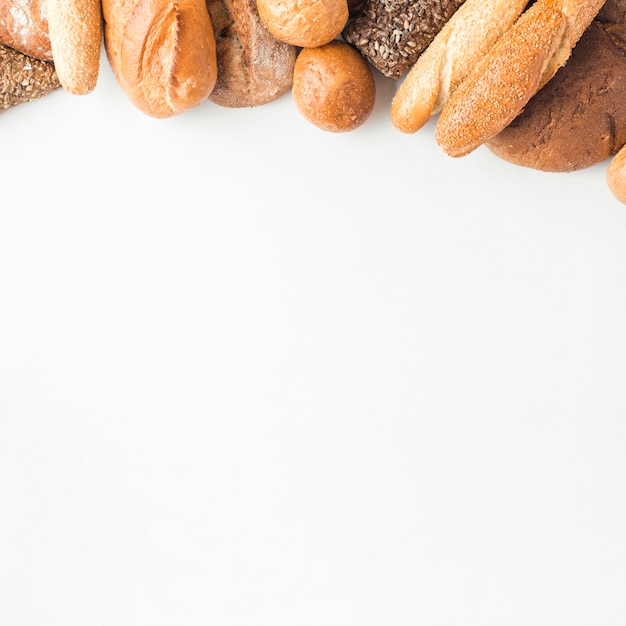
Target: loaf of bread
304,23
162,53
522,61
24,27
253,66
453,53
392,34
616,175
24,78
579,118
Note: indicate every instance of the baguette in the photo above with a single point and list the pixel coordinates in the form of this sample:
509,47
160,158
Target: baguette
522,61
75,30
162,53
456,49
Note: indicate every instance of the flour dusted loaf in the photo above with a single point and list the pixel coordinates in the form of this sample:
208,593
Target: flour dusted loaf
161,53
24,27
253,66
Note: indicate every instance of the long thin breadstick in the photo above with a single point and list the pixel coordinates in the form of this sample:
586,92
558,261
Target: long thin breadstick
456,49
75,28
524,59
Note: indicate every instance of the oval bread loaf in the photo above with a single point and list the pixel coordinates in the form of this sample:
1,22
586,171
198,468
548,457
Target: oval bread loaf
161,53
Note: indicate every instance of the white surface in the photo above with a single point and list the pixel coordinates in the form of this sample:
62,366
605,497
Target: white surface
252,373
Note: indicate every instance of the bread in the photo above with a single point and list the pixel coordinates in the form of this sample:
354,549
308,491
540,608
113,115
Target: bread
579,118
453,53
161,53
24,27
392,34
333,87
524,59
75,29
616,175
253,66
24,78
304,23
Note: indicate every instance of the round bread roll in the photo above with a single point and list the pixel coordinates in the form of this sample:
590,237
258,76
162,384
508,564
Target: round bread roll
333,87
579,118
304,23
616,175
253,66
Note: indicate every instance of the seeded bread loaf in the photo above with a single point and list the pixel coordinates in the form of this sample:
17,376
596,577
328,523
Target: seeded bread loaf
24,78
391,34
522,61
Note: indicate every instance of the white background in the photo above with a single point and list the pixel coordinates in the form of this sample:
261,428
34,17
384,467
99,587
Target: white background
253,373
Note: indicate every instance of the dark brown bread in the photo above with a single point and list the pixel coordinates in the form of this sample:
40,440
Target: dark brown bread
391,34
579,118
253,66
23,78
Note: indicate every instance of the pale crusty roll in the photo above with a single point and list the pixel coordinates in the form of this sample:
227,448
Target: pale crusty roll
24,27
162,53
455,50
75,29
524,59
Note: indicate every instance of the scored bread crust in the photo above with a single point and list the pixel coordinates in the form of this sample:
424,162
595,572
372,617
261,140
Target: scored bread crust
253,66
524,59
24,27
456,49
75,29
161,53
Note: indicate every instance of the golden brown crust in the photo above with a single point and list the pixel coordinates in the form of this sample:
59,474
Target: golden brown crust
24,27
333,87
579,118
516,67
616,175
75,29
304,23
253,66
458,47
162,53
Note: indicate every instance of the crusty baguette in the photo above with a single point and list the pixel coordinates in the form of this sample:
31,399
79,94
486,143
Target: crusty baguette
24,27
524,59
616,175
162,53
75,29
456,49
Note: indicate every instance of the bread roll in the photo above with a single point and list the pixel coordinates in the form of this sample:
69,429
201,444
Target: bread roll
24,27
161,53
75,29
524,59
253,66
304,23
579,118
333,87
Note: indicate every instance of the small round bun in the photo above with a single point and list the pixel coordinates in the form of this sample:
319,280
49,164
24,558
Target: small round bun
333,87
304,23
616,175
